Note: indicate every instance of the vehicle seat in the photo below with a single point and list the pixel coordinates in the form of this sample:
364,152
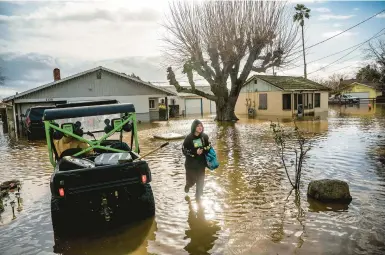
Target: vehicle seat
70,152
121,146
72,163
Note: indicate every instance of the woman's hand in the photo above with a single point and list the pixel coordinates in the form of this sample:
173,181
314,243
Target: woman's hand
199,151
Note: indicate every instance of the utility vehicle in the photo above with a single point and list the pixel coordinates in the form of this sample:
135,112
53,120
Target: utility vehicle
99,179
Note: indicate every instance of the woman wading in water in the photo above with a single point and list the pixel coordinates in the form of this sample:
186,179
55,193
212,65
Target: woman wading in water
195,146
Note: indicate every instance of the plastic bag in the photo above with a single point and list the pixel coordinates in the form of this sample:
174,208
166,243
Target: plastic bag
211,159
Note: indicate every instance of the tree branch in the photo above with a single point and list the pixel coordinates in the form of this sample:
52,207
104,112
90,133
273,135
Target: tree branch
172,80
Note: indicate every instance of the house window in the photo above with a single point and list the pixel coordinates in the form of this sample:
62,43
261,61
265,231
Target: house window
286,101
295,101
317,100
152,103
262,102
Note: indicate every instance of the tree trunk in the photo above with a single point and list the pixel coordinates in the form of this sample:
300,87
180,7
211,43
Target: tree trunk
304,55
225,109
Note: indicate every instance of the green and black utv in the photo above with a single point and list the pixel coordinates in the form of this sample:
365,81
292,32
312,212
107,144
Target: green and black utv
99,179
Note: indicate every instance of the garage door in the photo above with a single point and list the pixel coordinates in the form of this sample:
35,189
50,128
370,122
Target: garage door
194,106
359,94
213,107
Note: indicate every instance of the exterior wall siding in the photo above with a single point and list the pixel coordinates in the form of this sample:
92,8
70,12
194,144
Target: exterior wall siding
181,102
90,86
274,104
141,104
154,115
260,86
359,88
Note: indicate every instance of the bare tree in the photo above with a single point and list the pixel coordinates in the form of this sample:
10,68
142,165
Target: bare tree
376,52
333,81
222,40
297,142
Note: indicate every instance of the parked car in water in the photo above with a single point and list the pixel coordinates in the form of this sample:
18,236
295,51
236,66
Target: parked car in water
33,125
344,99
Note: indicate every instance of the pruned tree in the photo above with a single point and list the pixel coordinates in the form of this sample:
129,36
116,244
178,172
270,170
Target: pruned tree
223,41
302,13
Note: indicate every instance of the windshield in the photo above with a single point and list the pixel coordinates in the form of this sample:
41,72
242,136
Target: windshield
36,114
92,124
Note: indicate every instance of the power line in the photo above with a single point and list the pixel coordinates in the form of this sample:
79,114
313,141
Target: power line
348,52
336,53
344,49
343,68
350,28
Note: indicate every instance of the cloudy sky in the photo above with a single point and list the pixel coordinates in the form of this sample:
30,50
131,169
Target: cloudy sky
37,36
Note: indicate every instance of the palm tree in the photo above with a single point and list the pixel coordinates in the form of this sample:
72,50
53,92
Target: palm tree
302,12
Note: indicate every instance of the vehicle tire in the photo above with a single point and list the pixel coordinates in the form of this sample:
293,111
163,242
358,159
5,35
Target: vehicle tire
146,203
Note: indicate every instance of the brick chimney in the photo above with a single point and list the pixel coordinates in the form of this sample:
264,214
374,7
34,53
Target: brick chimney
56,74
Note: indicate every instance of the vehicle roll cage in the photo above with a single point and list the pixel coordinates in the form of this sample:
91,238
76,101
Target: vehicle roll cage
128,115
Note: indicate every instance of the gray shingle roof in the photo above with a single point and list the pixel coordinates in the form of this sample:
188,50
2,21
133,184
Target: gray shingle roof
290,82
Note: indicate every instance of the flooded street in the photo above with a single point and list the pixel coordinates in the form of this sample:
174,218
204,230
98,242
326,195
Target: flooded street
247,206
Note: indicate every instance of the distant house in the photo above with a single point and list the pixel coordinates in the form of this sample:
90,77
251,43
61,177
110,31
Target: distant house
191,104
95,84
281,96
360,89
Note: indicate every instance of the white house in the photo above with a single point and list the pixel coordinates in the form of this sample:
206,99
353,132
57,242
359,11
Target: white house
94,84
190,104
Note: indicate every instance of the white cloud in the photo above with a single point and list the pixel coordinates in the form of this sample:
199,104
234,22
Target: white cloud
6,92
321,9
88,31
334,17
356,9
381,16
333,33
337,25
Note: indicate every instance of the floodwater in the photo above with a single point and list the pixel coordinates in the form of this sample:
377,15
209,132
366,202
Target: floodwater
247,206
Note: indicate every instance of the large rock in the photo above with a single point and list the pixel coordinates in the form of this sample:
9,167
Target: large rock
329,191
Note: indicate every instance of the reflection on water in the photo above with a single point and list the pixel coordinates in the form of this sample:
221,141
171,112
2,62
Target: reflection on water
246,208
131,239
201,232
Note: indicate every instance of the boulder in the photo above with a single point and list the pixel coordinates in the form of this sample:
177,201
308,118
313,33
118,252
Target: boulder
328,190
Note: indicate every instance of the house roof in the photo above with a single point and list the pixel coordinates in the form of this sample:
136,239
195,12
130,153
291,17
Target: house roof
85,73
370,84
206,89
289,82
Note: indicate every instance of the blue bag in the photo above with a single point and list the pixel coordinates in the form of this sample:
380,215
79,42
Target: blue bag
211,159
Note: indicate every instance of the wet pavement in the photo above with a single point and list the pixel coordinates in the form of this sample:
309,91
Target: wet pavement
247,206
